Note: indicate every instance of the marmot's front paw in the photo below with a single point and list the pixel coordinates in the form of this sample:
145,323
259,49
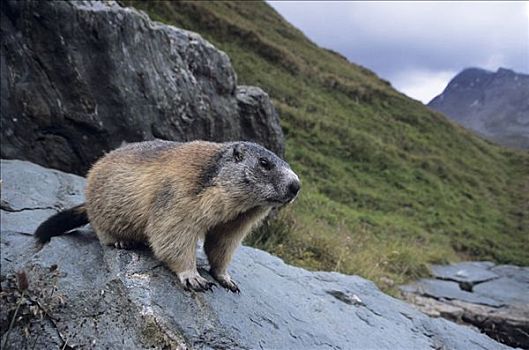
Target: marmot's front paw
226,281
191,280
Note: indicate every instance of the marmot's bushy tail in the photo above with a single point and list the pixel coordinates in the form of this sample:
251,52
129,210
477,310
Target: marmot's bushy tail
61,223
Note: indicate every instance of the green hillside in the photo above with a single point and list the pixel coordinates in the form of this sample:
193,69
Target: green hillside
388,185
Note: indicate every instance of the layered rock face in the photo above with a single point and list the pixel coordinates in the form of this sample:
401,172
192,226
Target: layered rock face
83,295
494,298
494,104
79,78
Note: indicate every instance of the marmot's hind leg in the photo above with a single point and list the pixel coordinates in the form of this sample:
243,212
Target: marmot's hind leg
105,238
126,244
116,242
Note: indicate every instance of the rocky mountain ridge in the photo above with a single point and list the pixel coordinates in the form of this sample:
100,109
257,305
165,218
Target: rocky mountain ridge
493,104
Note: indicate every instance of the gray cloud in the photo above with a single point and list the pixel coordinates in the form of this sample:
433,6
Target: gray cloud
409,40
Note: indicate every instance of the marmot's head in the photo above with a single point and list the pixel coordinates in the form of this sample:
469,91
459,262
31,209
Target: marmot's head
255,175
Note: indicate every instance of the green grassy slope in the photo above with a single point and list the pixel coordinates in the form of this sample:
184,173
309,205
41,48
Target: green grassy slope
388,185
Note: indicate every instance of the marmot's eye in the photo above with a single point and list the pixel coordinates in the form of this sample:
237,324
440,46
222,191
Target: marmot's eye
265,163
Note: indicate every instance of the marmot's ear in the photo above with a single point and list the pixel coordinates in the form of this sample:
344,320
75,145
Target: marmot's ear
238,152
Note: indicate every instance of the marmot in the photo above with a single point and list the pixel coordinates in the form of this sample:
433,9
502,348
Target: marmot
170,194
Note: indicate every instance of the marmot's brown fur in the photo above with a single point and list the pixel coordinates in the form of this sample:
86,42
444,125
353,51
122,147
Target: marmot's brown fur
170,194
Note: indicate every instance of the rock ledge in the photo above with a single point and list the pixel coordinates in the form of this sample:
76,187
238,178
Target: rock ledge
84,295
493,298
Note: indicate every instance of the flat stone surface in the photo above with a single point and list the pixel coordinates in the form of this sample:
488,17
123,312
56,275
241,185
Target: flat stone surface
441,289
30,186
507,290
18,221
100,297
471,272
518,273
26,192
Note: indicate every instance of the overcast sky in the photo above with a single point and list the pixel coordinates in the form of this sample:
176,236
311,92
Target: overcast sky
418,46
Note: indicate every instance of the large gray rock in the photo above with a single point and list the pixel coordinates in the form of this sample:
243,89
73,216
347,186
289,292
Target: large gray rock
79,77
27,190
493,298
82,294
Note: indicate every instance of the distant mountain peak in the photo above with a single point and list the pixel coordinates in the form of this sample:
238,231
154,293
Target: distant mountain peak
494,104
505,71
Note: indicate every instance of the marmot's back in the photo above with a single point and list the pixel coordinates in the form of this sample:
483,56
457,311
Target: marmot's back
122,186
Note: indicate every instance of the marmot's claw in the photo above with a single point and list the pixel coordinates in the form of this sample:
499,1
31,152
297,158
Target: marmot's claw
188,286
227,282
211,285
232,287
196,283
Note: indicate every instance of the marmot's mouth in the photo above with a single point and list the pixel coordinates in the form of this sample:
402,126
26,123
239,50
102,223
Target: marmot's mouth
275,201
281,202
292,199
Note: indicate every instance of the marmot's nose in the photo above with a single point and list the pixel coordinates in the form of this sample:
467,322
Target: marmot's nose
293,188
